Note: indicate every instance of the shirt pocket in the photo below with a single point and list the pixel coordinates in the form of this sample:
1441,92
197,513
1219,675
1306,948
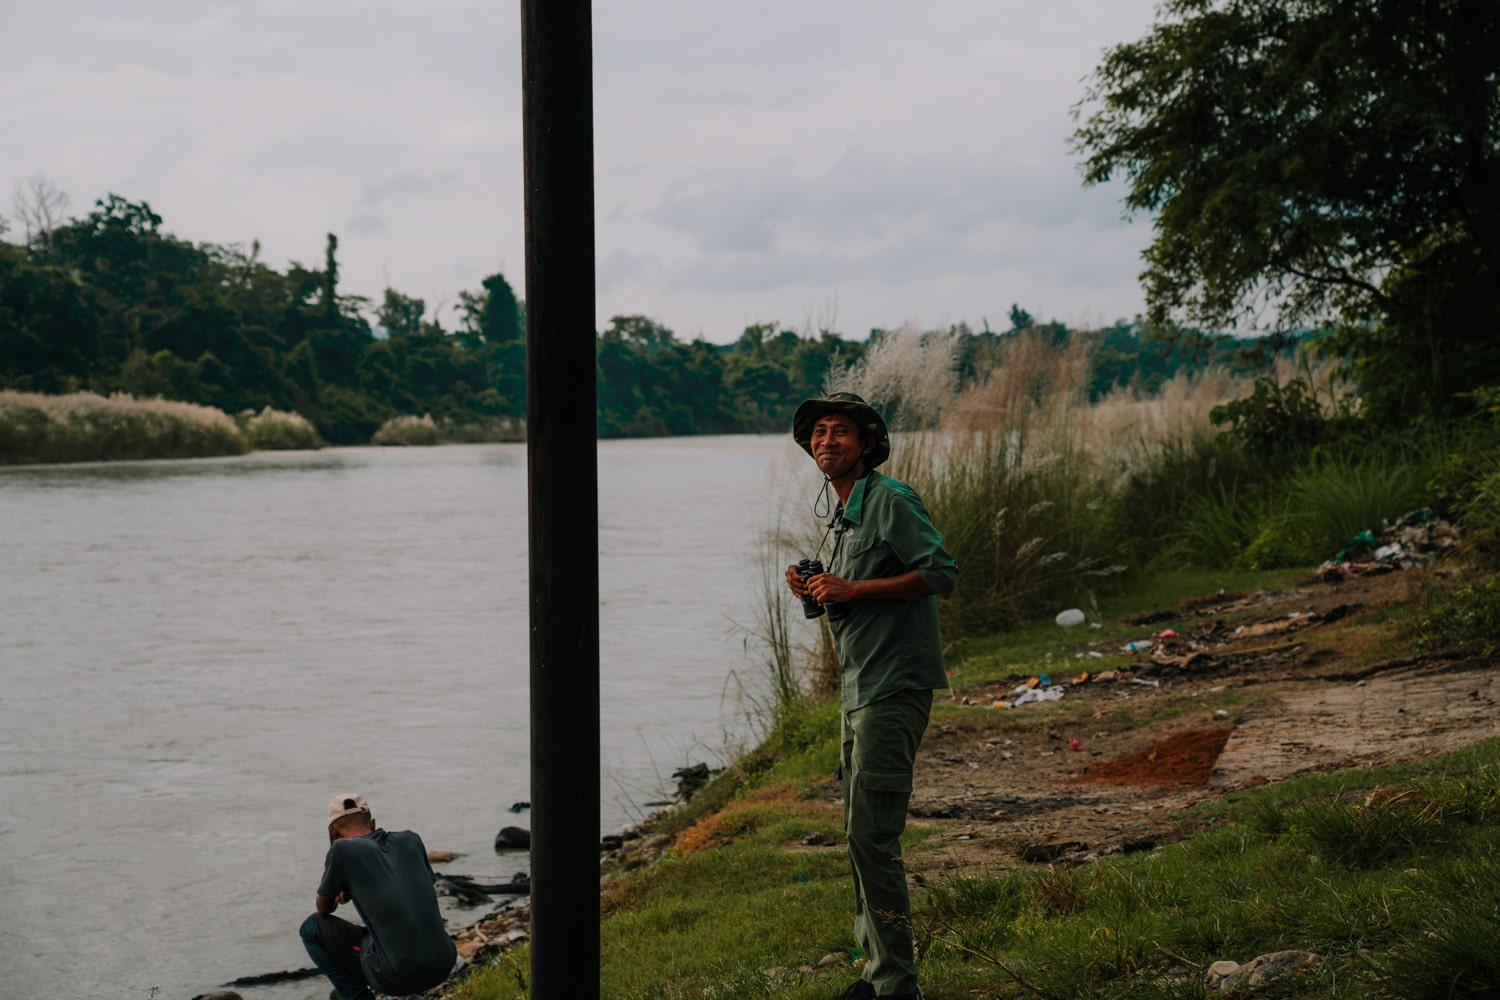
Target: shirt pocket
859,550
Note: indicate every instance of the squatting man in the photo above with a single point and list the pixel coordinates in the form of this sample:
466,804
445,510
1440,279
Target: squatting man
887,566
403,947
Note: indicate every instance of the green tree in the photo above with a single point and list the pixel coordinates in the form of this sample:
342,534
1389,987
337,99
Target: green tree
492,315
1319,161
493,324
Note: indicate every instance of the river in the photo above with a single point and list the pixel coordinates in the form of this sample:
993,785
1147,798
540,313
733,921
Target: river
195,655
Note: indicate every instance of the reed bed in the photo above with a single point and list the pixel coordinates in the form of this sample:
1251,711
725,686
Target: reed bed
86,427
1020,471
408,430
425,431
279,430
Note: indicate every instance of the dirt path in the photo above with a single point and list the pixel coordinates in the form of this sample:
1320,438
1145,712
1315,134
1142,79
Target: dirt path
1252,688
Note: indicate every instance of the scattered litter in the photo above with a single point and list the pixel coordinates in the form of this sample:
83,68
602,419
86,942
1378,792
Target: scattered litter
1414,540
1221,714
1071,617
1167,634
1094,654
1138,646
1036,694
1073,744
1143,681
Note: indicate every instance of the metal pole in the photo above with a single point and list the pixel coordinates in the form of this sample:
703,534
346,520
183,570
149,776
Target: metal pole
557,117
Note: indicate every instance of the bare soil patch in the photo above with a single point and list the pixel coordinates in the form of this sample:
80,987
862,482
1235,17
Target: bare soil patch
1251,688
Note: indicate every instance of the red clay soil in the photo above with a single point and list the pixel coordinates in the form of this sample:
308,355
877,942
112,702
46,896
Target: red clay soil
1185,758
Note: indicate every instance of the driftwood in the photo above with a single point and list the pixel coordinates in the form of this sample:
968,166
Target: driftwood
267,978
470,891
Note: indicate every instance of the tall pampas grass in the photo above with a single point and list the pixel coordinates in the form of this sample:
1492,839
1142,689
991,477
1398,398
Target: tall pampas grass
279,430
1020,471
86,427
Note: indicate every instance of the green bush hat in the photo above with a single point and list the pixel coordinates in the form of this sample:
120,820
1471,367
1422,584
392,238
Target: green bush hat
871,424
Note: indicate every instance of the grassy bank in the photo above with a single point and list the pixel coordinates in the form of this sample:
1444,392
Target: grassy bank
414,431
1118,506
86,427
1388,874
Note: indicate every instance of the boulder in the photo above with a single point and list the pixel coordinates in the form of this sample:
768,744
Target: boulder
1218,972
513,838
1261,970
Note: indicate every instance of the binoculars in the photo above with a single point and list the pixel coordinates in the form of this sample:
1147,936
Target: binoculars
807,569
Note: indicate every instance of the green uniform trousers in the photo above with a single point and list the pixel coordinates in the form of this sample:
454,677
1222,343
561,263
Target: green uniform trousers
880,743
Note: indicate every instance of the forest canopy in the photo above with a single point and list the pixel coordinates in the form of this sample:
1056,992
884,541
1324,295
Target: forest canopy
113,302
1323,163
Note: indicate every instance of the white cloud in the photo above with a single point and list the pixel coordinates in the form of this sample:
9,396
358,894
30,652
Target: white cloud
752,163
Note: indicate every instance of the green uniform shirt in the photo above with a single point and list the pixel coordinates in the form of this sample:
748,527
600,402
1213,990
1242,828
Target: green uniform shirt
887,646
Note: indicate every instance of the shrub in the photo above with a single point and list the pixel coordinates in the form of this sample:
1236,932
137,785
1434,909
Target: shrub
85,427
483,431
407,430
278,430
1334,499
1464,615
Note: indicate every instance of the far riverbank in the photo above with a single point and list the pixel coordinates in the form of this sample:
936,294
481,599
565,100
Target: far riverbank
85,427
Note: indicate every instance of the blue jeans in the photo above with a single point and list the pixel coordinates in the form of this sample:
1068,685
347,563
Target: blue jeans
333,946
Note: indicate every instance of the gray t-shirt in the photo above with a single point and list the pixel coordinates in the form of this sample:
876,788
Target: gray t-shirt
407,948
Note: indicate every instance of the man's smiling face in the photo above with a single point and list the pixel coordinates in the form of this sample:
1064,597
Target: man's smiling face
836,446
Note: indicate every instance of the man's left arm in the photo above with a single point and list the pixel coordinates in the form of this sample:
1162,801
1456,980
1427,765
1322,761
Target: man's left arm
902,587
918,545
330,890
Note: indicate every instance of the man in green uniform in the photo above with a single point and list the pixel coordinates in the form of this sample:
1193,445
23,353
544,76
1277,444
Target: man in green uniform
888,564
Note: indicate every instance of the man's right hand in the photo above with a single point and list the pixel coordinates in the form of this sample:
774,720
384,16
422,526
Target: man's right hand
795,582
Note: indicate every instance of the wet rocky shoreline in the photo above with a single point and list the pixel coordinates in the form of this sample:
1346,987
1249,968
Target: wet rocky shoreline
486,939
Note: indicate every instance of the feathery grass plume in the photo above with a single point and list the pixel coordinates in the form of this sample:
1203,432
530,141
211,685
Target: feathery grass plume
909,375
1134,429
87,427
797,652
1001,465
487,430
407,430
278,430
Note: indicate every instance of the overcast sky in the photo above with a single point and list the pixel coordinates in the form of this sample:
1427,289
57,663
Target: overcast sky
869,162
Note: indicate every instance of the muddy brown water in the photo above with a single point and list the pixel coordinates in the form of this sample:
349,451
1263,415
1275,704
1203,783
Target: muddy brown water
195,655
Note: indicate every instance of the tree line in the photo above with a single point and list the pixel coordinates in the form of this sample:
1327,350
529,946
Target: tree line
112,302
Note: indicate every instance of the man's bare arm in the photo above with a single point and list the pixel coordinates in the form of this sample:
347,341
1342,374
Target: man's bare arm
902,587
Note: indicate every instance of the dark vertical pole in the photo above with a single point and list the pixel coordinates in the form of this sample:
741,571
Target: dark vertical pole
557,117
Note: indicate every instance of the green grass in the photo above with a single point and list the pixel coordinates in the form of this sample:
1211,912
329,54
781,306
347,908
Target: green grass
1463,615
1389,874
1044,646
